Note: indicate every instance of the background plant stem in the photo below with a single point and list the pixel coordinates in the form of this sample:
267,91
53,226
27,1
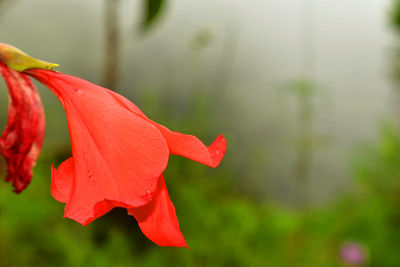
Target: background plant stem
112,44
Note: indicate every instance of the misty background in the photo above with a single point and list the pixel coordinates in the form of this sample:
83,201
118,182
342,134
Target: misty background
300,89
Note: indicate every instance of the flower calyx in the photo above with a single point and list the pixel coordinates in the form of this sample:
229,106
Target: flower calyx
20,61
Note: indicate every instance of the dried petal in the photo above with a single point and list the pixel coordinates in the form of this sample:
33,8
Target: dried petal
22,139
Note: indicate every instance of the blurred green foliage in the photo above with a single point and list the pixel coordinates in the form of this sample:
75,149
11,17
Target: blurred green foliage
152,10
395,14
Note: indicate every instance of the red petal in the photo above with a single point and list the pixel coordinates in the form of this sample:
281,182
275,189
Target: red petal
158,221
61,186
61,180
126,103
191,147
118,156
188,146
22,138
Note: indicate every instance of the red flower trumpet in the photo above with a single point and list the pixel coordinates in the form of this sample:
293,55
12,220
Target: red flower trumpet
118,154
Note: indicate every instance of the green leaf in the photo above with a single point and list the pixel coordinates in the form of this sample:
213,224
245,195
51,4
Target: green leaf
152,11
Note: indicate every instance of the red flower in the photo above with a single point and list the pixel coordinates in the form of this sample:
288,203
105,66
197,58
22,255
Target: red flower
118,154
118,157
22,139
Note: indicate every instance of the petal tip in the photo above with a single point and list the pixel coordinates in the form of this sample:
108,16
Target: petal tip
217,150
